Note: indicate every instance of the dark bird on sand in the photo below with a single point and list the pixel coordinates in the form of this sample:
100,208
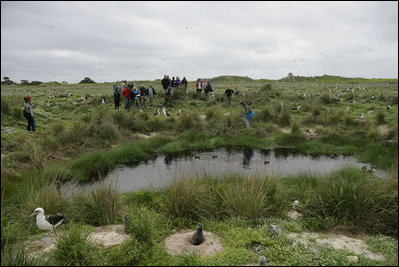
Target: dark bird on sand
262,261
198,236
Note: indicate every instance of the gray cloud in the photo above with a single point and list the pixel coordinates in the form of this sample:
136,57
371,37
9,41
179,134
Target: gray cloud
109,41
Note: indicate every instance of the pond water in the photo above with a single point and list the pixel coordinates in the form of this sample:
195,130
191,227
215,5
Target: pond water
160,171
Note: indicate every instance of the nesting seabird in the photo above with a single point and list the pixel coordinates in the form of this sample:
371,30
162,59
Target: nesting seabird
295,205
262,261
47,222
198,236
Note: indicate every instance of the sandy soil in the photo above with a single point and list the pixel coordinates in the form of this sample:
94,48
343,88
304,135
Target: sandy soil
355,245
179,243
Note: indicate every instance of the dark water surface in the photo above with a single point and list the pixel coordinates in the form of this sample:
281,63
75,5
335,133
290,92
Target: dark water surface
160,171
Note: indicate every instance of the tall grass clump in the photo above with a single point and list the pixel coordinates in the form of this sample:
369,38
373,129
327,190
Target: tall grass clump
92,166
284,119
352,198
73,249
188,120
17,256
265,115
47,197
141,225
190,198
212,113
57,174
101,206
250,198
380,117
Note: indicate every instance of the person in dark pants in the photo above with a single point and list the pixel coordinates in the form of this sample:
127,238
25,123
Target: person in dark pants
229,93
165,83
28,112
117,96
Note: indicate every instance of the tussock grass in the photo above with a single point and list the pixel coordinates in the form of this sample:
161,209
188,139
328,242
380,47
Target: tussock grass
189,198
17,256
249,198
350,197
73,249
47,197
141,225
101,206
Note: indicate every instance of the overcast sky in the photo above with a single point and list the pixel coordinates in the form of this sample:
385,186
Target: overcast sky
110,41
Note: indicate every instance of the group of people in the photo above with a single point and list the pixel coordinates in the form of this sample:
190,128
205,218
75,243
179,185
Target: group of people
134,97
137,98
208,88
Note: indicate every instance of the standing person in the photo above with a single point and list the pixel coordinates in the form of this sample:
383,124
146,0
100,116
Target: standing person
151,93
135,96
117,96
248,113
178,82
143,95
208,88
126,94
165,83
28,113
184,83
198,86
173,83
228,93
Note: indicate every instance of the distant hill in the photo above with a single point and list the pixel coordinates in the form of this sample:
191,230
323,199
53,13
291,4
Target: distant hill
329,79
230,78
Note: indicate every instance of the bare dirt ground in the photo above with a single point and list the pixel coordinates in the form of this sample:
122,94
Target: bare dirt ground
179,243
356,245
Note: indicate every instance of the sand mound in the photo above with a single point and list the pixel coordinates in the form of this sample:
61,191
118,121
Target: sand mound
179,243
357,246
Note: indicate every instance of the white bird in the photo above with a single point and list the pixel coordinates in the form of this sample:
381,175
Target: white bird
157,113
102,101
347,108
164,112
362,116
47,222
295,205
388,107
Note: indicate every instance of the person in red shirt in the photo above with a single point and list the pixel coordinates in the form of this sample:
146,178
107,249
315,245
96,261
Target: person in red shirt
126,94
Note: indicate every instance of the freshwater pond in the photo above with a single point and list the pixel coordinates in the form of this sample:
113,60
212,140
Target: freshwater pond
162,170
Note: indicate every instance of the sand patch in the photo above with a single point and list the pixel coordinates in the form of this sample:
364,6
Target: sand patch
179,243
109,235
357,246
106,236
146,136
383,129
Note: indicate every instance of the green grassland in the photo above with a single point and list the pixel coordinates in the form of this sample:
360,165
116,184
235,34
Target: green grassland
87,141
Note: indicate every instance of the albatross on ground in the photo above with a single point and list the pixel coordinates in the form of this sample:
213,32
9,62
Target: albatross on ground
47,222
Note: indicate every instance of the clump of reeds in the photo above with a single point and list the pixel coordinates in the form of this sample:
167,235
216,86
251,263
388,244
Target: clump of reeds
100,206
250,198
189,198
73,249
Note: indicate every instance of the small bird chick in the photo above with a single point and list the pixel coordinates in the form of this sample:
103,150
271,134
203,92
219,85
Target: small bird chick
262,261
295,205
198,236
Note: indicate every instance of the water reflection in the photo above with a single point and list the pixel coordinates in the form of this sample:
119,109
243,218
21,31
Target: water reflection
160,171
